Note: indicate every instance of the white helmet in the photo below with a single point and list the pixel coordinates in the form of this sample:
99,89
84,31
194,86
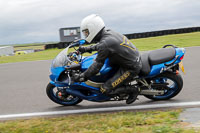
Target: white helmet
91,26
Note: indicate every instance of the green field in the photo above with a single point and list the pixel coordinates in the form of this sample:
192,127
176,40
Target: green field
28,47
121,122
31,46
180,40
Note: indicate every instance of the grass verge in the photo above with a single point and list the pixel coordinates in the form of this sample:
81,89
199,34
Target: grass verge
43,55
41,47
121,122
180,40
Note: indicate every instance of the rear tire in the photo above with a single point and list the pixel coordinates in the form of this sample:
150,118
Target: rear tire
52,95
175,90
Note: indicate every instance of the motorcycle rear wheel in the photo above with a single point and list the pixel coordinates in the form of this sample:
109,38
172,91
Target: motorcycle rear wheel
175,86
53,95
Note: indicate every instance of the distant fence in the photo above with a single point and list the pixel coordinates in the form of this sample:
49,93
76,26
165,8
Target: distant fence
56,45
162,32
137,35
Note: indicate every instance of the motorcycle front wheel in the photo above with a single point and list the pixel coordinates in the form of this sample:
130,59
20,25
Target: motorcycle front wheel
66,100
174,86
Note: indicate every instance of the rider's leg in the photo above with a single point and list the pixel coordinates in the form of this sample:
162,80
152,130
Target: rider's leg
116,81
115,85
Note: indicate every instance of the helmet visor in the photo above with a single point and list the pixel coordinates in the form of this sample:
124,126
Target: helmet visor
86,33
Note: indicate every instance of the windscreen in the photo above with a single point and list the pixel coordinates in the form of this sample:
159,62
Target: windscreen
61,59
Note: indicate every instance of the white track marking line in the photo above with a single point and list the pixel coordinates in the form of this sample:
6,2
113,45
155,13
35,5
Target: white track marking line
95,110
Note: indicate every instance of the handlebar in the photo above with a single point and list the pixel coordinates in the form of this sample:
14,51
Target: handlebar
73,44
77,43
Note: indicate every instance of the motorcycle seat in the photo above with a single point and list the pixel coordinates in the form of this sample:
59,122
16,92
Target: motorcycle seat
155,57
161,55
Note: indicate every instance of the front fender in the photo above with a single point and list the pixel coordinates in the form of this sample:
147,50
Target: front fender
58,84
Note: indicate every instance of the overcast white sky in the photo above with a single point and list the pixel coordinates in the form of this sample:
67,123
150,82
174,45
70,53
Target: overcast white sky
29,21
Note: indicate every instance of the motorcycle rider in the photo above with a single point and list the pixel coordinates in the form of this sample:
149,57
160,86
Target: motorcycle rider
120,51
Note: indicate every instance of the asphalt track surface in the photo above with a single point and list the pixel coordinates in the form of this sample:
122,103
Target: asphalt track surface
23,86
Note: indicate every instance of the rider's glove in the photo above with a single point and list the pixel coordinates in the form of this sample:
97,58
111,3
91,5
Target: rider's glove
79,77
83,49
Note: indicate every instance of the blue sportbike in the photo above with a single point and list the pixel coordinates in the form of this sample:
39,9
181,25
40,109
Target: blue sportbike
159,78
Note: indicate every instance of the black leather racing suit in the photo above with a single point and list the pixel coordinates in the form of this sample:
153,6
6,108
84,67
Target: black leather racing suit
121,52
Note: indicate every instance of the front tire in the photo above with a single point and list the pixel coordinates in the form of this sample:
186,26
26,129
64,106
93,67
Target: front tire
173,89
52,93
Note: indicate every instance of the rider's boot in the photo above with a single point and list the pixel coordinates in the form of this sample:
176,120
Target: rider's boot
133,93
131,90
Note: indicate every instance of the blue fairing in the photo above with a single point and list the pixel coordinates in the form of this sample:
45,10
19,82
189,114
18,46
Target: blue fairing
55,73
157,69
105,73
95,94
